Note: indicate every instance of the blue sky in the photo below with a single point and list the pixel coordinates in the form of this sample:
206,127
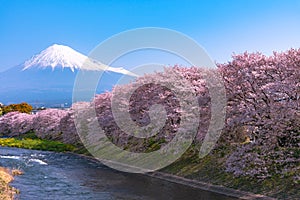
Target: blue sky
221,27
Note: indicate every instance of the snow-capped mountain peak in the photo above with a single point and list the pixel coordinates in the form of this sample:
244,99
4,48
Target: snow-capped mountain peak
66,57
56,55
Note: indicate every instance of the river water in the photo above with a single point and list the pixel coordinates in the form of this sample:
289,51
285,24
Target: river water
63,176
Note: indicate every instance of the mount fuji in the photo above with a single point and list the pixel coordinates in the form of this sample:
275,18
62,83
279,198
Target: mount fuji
47,79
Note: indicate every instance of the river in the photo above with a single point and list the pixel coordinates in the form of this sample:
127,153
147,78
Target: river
63,176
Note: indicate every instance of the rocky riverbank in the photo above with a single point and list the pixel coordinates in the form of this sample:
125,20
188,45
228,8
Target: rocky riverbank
6,176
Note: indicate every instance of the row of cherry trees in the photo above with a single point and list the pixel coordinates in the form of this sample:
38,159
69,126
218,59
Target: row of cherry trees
262,106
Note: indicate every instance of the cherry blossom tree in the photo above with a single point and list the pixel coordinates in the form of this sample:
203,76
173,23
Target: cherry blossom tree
15,123
47,123
263,98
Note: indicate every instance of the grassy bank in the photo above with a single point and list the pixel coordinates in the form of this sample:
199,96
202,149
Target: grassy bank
30,141
6,191
210,169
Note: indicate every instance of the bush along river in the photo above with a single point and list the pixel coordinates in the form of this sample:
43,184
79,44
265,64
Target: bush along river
51,175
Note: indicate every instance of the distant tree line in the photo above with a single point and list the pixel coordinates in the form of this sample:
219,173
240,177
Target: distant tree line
21,107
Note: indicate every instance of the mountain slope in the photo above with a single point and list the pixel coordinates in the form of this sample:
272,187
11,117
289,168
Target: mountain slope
47,78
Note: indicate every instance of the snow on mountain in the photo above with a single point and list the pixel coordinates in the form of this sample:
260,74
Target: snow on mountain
47,79
66,57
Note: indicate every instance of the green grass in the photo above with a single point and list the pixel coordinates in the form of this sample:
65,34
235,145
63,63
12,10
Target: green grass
37,144
31,141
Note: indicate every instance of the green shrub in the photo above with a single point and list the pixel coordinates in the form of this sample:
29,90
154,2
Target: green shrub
22,107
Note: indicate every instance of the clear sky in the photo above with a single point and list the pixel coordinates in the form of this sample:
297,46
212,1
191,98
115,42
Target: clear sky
220,26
